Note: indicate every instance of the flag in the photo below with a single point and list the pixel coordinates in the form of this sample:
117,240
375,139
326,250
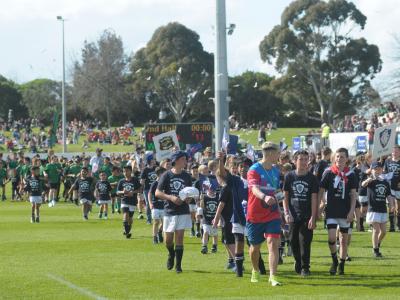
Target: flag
225,140
250,152
194,148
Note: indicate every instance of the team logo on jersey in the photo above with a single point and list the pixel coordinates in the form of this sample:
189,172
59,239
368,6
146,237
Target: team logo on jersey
384,137
299,188
102,187
177,185
211,207
84,186
128,187
153,176
381,190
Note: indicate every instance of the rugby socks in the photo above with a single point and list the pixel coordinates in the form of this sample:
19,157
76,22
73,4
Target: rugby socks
376,250
179,255
126,226
391,221
171,250
239,257
341,266
197,226
361,224
334,258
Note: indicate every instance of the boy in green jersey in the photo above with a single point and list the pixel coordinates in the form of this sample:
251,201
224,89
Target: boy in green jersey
52,173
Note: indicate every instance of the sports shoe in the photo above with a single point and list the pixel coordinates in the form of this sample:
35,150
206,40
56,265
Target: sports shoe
333,268
140,216
348,258
100,216
198,234
378,254
50,204
273,280
305,272
255,276
192,233
178,269
32,219
128,236
230,265
37,220
170,262
204,250
155,240
85,218
105,218
289,251
214,249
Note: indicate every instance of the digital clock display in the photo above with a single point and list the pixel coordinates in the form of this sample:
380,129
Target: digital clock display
187,133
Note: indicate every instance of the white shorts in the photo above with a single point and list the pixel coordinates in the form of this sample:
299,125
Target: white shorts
376,217
101,202
35,199
362,199
130,207
342,223
199,211
210,230
157,214
239,228
179,222
192,208
85,201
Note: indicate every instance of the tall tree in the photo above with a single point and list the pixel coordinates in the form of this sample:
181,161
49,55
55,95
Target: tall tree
11,98
42,97
173,71
252,98
99,78
314,42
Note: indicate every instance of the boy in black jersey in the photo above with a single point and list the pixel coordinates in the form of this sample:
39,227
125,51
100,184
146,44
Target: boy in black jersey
300,210
84,186
209,204
378,191
177,215
128,189
157,208
392,165
147,177
34,188
102,193
339,184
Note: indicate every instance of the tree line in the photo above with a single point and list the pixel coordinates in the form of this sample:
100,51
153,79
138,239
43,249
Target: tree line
324,71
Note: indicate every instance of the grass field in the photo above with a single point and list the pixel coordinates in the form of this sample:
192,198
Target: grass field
249,136
65,257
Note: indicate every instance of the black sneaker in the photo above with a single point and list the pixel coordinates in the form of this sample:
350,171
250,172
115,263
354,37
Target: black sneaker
297,267
160,237
192,233
37,220
32,219
170,262
348,258
204,250
214,249
280,261
333,268
378,254
128,236
230,265
86,218
198,234
341,268
155,240
178,269
391,229
305,272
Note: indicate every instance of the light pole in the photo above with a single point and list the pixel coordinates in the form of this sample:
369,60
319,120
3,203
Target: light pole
64,108
221,74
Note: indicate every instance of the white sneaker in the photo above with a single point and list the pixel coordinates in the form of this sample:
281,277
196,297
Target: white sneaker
53,203
50,204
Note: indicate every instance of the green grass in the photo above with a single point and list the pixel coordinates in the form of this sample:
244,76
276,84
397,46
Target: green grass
249,136
95,256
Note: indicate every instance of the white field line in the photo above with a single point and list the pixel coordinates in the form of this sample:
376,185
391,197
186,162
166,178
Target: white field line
75,287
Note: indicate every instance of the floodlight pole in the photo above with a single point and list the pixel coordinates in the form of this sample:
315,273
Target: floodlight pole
220,75
64,108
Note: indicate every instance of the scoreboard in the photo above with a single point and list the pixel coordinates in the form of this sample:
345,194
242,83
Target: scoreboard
187,133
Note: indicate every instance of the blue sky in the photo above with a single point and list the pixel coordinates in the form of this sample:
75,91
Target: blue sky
31,36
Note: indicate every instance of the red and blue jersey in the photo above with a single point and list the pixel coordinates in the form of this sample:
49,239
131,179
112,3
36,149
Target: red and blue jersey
268,182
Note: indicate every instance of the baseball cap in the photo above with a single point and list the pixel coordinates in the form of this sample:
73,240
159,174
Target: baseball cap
270,146
177,155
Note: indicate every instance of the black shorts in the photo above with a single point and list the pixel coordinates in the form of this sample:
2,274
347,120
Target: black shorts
227,236
54,185
113,195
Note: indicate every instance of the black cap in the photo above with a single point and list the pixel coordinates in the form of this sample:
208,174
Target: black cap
376,164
